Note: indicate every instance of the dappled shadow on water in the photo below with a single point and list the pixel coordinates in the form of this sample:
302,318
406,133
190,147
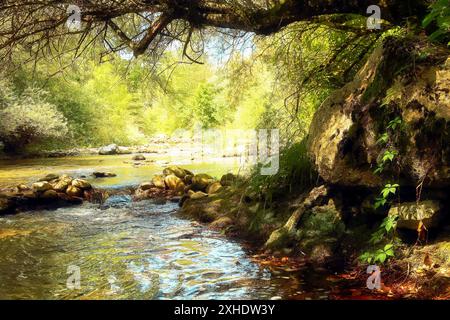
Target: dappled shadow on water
139,250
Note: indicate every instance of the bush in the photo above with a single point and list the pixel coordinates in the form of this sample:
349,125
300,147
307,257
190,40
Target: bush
28,118
296,173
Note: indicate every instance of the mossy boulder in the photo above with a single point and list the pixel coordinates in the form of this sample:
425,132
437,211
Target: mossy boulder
50,194
158,181
176,171
198,195
174,183
411,213
74,191
228,179
41,186
146,185
213,187
403,78
81,184
320,231
62,183
201,181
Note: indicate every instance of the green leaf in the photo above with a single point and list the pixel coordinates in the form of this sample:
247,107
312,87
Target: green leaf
388,246
378,170
383,139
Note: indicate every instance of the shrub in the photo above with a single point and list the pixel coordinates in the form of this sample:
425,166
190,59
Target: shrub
28,118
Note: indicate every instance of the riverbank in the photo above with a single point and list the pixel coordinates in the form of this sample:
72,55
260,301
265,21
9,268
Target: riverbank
322,231
326,233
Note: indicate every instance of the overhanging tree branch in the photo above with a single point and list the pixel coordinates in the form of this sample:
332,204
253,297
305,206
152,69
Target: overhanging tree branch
26,19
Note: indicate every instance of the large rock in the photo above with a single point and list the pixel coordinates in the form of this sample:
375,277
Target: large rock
173,182
411,213
146,185
201,181
158,181
228,179
398,80
81,184
198,195
62,183
41,186
174,170
213,188
73,191
109,149
50,194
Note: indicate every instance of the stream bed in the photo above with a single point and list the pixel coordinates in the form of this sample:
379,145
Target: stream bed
130,250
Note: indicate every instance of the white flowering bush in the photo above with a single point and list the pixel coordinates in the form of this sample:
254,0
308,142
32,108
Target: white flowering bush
27,118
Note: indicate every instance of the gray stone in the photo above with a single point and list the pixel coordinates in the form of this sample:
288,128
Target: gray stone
411,213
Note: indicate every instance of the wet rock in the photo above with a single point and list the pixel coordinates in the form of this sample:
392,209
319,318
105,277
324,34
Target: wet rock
228,179
146,185
123,150
62,183
109,150
81,184
22,187
221,223
320,230
188,179
50,194
158,181
6,205
74,191
172,181
49,177
213,188
41,186
71,199
201,181
100,174
411,213
138,157
176,171
198,195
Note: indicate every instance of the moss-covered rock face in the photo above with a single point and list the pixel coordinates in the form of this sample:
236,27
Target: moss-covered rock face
320,230
402,78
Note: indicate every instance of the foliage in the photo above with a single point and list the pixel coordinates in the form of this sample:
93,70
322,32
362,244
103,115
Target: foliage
296,173
388,226
28,118
439,15
384,231
207,110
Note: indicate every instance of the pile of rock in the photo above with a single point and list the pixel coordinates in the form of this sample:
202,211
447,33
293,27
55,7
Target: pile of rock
52,189
176,181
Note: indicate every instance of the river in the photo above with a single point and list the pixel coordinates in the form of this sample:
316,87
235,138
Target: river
131,250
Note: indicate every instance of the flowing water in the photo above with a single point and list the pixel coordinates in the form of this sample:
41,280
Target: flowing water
129,250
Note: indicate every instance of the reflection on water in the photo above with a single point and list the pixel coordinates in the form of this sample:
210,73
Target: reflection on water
142,252
139,251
